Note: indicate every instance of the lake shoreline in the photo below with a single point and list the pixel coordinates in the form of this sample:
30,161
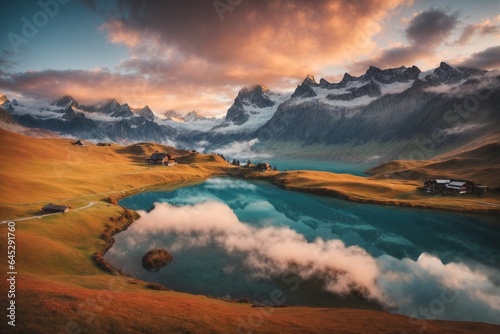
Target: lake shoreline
403,193
335,221
64,286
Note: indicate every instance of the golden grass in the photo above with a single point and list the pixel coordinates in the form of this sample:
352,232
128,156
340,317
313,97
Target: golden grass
477,161
383,191
60,289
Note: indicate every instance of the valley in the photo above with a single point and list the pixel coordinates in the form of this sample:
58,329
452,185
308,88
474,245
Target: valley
320,138
59,276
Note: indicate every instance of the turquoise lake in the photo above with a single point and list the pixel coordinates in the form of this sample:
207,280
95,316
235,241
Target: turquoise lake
235,239
294,163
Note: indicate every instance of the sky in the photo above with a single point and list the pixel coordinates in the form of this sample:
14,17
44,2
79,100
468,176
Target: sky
197,54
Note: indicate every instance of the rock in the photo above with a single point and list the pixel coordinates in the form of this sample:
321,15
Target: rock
156,259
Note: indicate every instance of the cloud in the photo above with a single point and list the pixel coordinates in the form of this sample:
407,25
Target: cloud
429,289
185,46
425,32
431,27
136,89
268,251
119,34
183,56
219,184
486,59
242,150
423,288
483,29
270,35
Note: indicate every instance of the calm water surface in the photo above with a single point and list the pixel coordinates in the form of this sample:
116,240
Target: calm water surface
241,239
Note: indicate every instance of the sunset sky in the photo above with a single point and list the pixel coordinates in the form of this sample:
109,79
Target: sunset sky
196,55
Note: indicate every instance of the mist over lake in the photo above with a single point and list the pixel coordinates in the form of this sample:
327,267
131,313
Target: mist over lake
239,239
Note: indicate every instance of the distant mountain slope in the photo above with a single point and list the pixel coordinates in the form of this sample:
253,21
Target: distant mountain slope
478,161
411,115
384,114
8,122
109,121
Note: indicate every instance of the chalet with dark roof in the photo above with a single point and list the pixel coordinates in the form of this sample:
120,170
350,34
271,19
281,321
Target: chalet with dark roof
161,159
436,186
453,187
54,208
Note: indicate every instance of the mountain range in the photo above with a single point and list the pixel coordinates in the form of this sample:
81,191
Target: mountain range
396,113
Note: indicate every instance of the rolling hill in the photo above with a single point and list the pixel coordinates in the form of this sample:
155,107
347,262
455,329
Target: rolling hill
59,288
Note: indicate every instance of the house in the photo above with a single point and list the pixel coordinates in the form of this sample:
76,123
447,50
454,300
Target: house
161,159
435,186
453,187
456,188
54,208
263,167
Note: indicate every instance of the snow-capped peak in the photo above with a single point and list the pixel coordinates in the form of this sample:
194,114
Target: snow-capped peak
65,102
192,116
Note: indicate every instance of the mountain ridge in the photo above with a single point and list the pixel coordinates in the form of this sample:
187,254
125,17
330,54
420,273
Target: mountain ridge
382,107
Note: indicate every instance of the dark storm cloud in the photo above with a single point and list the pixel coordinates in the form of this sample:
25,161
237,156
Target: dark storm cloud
431,27
275,37
486,59
425,32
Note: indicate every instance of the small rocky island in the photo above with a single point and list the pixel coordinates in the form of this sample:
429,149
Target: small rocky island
156,259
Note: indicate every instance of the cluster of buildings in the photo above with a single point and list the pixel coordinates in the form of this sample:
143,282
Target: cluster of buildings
453,187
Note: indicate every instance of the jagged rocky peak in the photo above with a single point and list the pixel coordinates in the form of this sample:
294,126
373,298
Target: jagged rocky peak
257,95
445,74
446,68
310,81
110,104
192,116
305,90
370,89
115,109
324,83
173,114
412,72
347,77
65,102
448,72
145,112
373,71
391,75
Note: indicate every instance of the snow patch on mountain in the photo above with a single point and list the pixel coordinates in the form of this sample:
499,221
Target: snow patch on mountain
252,108
97,116
199,125
43,112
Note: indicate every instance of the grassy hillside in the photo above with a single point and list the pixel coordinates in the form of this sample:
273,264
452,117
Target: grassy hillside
383,190
478,161
59,288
